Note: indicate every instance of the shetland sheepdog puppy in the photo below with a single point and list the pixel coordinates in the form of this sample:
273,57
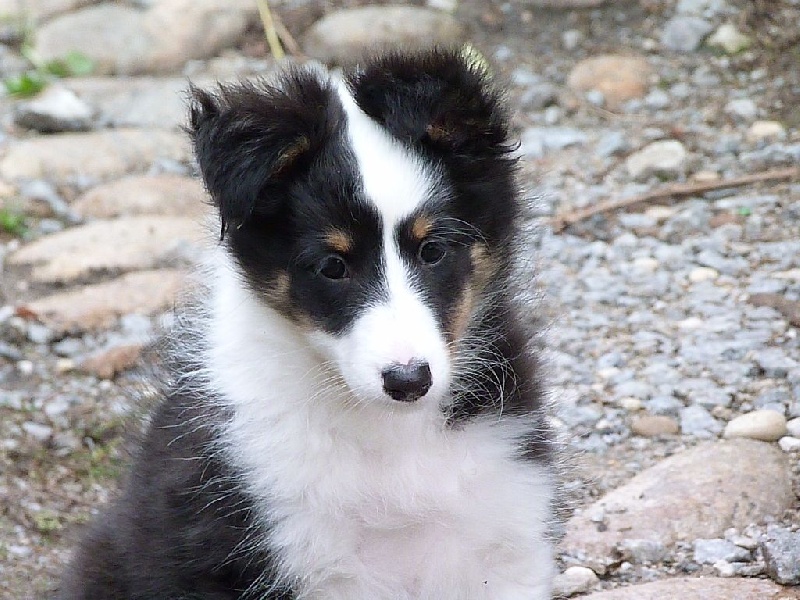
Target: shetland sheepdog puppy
356,414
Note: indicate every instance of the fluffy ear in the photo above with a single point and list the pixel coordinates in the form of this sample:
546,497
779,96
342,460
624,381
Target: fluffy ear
250,139
440,98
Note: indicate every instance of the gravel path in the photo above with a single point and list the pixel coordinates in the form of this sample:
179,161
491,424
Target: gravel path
672,327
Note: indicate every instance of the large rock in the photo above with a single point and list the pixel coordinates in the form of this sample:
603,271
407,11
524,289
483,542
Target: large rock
36,11
113,36
781,552
345,35
98,306
158,102
124,39
114,246
169,195
698,493
618,78
705,588
98,155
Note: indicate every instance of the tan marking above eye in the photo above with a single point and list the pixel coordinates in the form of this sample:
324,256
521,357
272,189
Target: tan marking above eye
421,227
461,313
482,264
339,241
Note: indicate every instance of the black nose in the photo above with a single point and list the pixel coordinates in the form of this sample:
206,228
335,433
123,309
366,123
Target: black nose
407,383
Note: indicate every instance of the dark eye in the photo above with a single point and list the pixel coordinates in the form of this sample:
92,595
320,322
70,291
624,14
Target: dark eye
431,252
333,267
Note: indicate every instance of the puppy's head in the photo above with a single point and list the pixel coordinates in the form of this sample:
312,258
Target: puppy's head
372,211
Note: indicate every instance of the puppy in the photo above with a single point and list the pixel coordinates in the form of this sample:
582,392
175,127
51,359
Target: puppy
354,415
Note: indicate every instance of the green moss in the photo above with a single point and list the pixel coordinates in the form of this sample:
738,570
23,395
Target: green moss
12,221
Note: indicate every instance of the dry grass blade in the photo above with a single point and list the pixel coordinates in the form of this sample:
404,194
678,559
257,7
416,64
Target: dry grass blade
273,40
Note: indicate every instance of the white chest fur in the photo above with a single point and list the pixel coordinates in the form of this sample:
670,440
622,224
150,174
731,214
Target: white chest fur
369,502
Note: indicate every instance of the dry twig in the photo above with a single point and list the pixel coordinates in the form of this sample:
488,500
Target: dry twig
561,222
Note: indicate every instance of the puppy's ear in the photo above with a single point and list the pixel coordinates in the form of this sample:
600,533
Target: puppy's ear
443,99
251,139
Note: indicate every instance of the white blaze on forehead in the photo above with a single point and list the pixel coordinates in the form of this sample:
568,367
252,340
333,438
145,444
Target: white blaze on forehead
402,328
395,180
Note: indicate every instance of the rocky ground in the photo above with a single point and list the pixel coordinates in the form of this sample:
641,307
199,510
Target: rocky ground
672,324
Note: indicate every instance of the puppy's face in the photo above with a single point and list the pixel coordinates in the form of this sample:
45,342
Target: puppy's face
370,213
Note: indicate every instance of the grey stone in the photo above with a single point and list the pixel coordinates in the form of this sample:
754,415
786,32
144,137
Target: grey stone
782,556
642,551
685,33
39,432
698,422
774,362
10,352
657,99
47,226
574,580
703,392
538,96
612,143
664,158
55,109
774,396
708,8
636,389
664,405
743,108
596,97
69,347
610,359
709,551
729,266
571,39
39,334
580,415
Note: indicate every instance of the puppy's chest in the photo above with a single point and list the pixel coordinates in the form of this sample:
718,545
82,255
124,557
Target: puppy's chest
408,518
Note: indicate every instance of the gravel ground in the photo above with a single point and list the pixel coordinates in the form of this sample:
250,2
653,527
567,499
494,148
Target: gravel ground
672,326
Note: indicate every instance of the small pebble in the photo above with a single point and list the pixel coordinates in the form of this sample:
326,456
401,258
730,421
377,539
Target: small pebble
789,444
764,425
729,39
699,274
766,130
574,580
654,425
643,552
724,568
37,431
